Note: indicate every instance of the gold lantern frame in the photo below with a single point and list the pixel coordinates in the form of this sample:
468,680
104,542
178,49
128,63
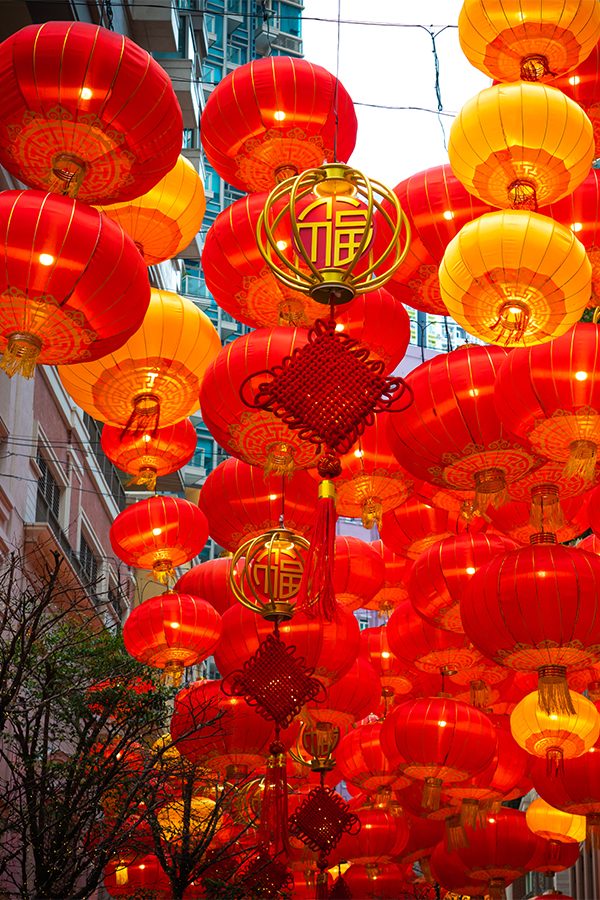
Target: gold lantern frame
332,284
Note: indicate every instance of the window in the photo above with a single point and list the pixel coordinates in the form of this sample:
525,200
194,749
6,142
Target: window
88,561
48,488
199,457
211,23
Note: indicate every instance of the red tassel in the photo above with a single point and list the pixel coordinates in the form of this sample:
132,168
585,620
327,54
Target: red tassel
317,595
272,831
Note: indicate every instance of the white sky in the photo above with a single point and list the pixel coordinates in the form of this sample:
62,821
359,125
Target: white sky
394,66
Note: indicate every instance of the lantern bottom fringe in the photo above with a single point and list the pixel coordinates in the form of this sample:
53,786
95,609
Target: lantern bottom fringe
163,571
456,836
496,889
146,476
546,513
432,793
172,674
582,460
371,512
513,317
593,831
554,697
490,489
471,813
20,355
480,694
280,460
555,764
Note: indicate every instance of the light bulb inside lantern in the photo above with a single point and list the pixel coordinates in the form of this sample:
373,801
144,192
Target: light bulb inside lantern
146,438
581,376
576,226
174,624
448,215
45,259
385,654
574,79
86,93
339,327
442,723
359,453
273,496
279,115
470,570
281,245
156,531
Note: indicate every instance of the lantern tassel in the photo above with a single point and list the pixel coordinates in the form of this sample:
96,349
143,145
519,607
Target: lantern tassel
121,874
546,512
317,595
582,460
471,813
20,355
432,793
146,476
456,836
497,889
593,831
371,512
280,460
554,762
480,694
322,891
490,489
554,697
272,830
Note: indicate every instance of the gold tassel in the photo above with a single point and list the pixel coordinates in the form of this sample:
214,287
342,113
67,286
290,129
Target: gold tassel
546,512
512,321
582,460
480,694
172,673
146,476
163,570
432,793
372,512
470,813
456,837
554,697
21,355
490,489
280,460
554,762
497,889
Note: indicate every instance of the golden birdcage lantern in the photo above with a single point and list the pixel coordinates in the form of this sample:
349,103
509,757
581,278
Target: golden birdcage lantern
317,233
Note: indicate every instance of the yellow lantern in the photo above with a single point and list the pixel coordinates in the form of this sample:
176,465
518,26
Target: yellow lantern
521,145
154,379
165,220
515,278
171,818
554,824
511,40
558,735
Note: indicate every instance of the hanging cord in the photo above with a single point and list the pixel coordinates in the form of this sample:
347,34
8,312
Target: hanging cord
337,76
108,13
438,90
282,514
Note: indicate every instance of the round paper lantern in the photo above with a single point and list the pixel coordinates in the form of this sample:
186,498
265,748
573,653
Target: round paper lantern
439,575
423,835
378,321
581,85
153,380
436,206
159,534
273,118
352,697
418,644
73,286
163,221
380,833
149,455
362,761
357,572
451,873
550,394
396,570
330,648
547,513
553,856
178,819
241,502
575,790
515,278
255,436
171,631
209,580
383,881
143,874
521,145
537,608
555,736
451,434
371,481
221,732
514,41
395,680
553,824
438,739
86,111
411,527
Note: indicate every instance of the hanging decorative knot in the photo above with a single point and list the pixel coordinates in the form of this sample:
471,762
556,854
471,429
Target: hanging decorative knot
275,681
329,389
321,819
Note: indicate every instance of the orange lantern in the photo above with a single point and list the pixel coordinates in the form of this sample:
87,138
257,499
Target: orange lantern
514,41
555,736
85,111
550,394
554,824
209,580
153,380
451,434
240,503
256,436
521,145
72,285
515,278
273,118
171,631
357,572
436,206
371,481
438,576
163,221
394,589
159,534
149,455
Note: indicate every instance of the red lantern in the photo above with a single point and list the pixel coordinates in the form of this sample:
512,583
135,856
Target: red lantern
221,732
582,85
241,502
438,739
73,285
548,394
537,608
437,206
395,680
357,573
145,873
384,881
209,580
171,631
362,761
159,534
330,648
575,790
451,873
413,526
86,111
553,856
378,321
451,434
548,512
380,833
396,569
418,644
274,118
439,575
423,835
148,455
351,698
